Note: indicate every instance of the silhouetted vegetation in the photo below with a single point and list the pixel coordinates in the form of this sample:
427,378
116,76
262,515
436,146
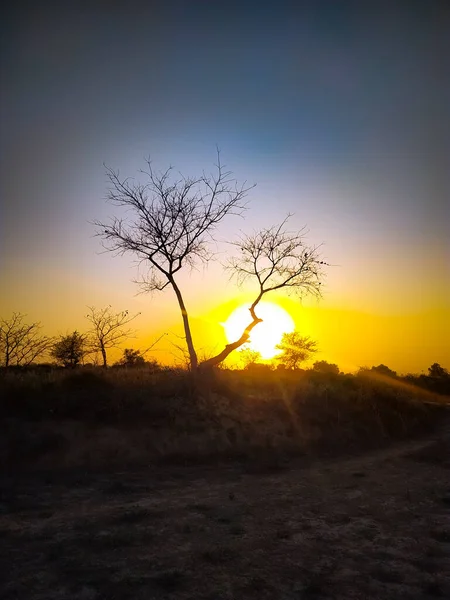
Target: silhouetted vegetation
322,366
295,349
141,411
21,343
249,358
69,350
437,380
173,228
438,372
108,329
152,414
380,369
133,359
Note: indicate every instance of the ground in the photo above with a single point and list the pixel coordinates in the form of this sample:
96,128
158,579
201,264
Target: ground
373,526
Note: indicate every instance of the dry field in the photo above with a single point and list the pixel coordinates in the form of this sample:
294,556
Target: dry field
375,526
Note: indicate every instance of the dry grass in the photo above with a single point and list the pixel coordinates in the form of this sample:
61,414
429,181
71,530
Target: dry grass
282,512
94,419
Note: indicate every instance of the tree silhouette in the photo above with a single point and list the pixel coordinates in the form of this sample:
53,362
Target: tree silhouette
175,219
21,343
249,358
108,329
384,370
322,366
174,224
70,349
274,259
295,349
131,358
437,371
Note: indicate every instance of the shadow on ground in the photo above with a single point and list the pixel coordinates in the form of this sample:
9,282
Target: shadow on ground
376,526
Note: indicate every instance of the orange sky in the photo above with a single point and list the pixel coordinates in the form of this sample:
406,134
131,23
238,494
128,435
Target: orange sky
362,329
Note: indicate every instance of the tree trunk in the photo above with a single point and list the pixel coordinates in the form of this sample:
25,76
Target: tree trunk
216,360
103,351
187,329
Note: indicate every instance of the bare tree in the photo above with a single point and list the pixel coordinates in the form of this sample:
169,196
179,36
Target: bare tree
175,219
274,259
21,343
108,329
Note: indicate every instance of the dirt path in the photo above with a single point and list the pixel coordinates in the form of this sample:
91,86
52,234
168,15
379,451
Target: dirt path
377,526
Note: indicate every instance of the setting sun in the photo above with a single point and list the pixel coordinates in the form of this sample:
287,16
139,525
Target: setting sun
267,334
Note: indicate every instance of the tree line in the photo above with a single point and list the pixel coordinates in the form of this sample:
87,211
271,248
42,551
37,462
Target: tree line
169,222
22,344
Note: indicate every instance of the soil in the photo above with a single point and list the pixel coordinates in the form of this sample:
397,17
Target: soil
372,526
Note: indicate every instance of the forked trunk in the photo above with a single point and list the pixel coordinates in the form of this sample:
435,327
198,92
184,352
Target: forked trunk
229,348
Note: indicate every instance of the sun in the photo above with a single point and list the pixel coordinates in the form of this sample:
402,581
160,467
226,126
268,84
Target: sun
267,334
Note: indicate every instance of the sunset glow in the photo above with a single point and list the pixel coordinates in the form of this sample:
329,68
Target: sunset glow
265,337
334,114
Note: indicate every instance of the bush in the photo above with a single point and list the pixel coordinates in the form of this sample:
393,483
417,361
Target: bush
118,415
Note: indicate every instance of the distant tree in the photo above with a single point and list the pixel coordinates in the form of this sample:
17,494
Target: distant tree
69,350
295,349
249,358
260,368
437,371
108,329
384,370
322,366
21,343
380,370
173,226
131,358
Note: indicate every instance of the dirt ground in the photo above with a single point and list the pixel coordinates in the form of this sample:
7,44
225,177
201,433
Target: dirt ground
375,526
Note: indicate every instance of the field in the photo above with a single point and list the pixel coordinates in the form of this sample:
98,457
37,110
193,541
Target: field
371,527
338,489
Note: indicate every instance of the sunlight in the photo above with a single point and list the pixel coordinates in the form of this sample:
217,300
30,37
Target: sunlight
267,334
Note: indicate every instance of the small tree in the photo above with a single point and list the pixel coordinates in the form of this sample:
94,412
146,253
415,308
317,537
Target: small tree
322,366
437,371
295,349
108,329
21,343
384,370
131,358
70,349
249,358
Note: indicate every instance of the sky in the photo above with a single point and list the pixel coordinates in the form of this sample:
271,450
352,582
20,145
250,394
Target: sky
338,111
